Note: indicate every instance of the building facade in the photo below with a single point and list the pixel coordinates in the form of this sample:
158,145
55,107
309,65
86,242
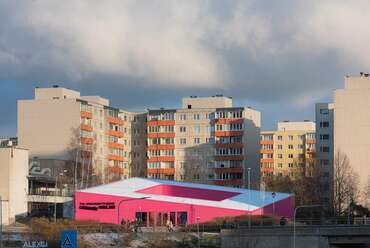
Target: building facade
288,150
352,127
59,123
207,140
13,182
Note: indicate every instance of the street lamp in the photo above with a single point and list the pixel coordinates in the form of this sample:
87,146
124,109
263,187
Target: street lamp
55,194
249,197
295,211
125,200
273,194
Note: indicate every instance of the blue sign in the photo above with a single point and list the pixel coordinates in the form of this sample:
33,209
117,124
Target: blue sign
68,239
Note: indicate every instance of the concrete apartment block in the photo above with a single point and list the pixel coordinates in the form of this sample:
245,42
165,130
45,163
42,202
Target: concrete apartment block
58,117
352,125
292,145
13,183
206,141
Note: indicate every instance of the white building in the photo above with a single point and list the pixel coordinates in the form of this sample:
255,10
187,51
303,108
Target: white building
13,183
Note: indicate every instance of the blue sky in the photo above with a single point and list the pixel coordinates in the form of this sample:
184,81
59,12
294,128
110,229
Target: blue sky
280,57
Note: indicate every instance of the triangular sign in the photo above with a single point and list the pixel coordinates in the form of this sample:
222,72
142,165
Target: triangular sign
67,241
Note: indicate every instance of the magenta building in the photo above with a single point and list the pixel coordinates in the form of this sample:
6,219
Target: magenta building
153,202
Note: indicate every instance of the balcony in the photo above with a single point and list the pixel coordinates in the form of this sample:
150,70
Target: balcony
162,159
160,123
229,145
115,145
86,127
229,182
229,157
115,120
161,135
229,120
85,114
87,141
229,170
118,170
267,151
228,133
269,170
115,157
267,142
162,147
164,171
310,141
115,133
267,160
310,150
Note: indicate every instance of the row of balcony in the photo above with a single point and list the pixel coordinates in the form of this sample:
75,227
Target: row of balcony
217,158
111,119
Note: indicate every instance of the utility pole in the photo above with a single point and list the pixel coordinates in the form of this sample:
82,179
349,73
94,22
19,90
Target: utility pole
249,198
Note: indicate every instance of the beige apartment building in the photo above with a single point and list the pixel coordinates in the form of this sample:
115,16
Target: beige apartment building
13,182
352,127
59,123
207,140
288,150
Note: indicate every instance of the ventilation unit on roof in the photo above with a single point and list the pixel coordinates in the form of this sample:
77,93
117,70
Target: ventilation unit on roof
55,86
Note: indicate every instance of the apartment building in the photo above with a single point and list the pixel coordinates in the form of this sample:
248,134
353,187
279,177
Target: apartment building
207,140
59,123
288,150
352,127
13,182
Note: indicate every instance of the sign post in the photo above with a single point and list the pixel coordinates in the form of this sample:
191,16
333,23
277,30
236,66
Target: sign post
68,239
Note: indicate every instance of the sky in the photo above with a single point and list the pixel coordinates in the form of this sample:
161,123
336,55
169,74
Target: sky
279,57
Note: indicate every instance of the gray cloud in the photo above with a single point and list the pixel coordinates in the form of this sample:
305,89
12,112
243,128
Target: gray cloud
150,53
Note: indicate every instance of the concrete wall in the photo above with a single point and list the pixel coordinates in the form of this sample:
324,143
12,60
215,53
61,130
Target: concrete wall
296,126
352,125
13,182
207,102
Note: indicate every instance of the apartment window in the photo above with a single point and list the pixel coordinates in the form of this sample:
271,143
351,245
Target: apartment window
280,147
183,117
210,140
182,129
183,141
324,149
324,111
290,155
196,116
290,137
290,165
324,136
280,165
324,162
196,140
280,137
280,156
324,124
290,147
196,129
300,146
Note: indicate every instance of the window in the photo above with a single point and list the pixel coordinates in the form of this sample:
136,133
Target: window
324,111
196,116
182,129
300,146
324,149
196,129
324,162
210,140
183,117
196,140
324,136
290,137
183,141
290,165
290,155
280,155
324,124
280,137
290,147
280,147
280,165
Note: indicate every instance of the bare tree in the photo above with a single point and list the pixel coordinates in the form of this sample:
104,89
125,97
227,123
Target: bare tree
345,182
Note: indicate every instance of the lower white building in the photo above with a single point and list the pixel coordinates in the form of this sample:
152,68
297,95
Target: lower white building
13,183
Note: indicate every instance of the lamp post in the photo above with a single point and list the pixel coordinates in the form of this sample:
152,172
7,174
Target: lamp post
198,231
295,211
273,194
125,200
55,194
249,198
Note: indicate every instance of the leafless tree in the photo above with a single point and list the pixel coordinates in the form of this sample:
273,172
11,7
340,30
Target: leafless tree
345,183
